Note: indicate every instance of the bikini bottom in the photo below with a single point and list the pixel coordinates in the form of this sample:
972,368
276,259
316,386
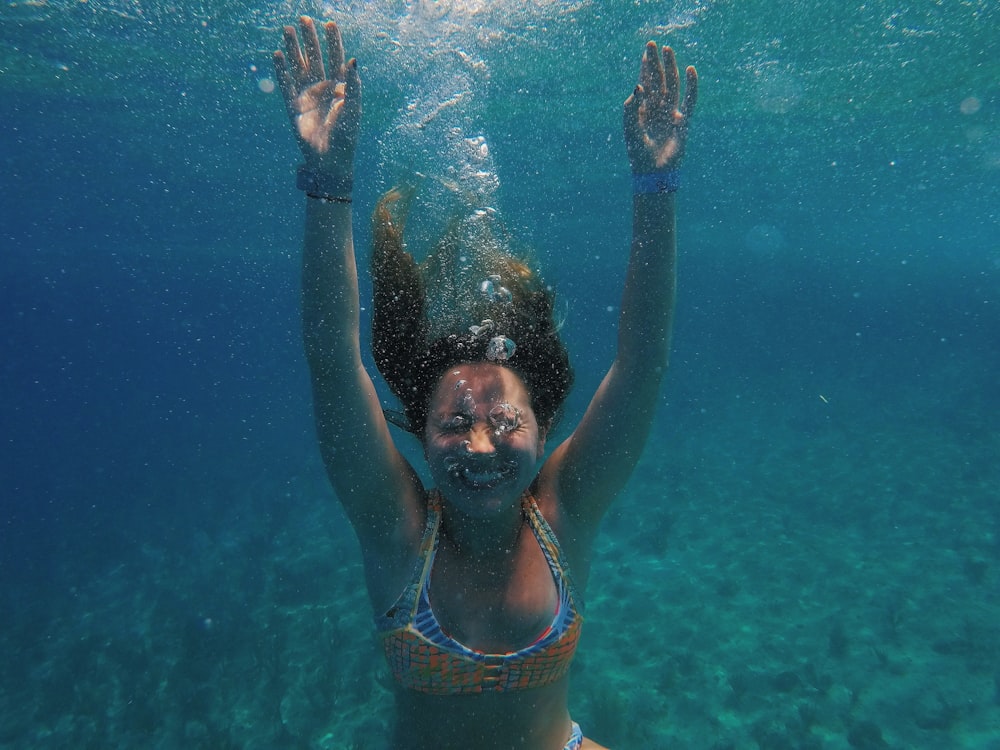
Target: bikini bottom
575,741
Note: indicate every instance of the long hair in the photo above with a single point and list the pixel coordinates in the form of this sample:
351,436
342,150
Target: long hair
469,301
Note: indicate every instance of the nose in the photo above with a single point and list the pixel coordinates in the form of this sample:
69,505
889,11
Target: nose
480,439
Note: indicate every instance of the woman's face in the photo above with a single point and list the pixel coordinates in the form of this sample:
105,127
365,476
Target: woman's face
481,441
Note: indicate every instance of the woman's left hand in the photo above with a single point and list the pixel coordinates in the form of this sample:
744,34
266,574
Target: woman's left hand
655,129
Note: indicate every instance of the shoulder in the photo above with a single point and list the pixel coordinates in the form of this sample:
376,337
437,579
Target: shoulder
578,501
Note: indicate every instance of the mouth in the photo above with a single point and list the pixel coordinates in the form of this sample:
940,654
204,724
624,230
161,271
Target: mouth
479,478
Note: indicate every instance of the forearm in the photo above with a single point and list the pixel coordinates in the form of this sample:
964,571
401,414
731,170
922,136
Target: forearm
646,318
330,302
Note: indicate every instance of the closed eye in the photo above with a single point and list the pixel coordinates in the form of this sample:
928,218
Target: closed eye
505,418
457,423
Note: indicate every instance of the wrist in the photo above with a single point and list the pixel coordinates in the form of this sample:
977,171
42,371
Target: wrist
656,183
323,185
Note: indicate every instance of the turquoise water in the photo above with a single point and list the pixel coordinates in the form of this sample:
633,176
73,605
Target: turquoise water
808,555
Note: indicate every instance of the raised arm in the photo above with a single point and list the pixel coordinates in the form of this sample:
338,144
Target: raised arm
591,467
370,477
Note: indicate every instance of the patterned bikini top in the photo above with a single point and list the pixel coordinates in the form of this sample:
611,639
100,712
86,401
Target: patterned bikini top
424,658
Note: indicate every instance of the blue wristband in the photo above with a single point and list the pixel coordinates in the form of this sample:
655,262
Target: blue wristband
656,183
324,186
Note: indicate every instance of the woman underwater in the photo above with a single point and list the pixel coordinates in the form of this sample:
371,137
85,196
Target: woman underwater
476,608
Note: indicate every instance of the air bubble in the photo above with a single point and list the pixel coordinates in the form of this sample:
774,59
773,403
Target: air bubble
500,349
484,328
468,402
504,418
492,291
970,105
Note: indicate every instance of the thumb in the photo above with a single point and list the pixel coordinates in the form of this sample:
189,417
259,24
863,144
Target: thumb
630,113
352,85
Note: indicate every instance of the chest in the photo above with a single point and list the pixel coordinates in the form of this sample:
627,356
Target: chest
494,611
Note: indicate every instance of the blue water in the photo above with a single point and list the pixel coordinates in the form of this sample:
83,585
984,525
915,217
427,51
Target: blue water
809,553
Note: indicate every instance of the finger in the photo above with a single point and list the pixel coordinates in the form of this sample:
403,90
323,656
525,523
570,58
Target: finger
296,63
348,110
690,91
335,47
313,52
671,80
630,114
352,86
285,82
333,118
651,71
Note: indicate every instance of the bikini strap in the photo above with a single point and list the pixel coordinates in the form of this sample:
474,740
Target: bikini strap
551,548
405,607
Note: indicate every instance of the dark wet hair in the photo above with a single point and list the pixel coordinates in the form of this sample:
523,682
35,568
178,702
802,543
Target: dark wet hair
412,359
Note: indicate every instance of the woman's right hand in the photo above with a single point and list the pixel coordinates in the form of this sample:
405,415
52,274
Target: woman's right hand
325,112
